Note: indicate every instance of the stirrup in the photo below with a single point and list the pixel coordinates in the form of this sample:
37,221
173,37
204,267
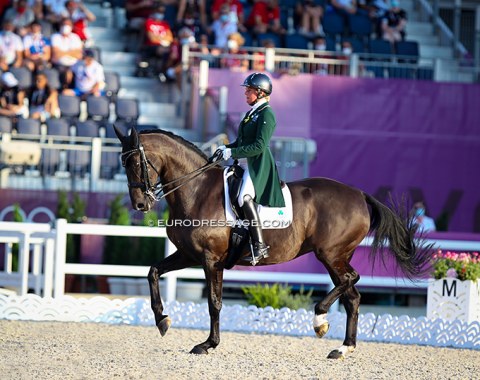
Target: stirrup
259,251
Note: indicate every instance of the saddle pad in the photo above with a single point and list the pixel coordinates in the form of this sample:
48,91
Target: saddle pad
271,217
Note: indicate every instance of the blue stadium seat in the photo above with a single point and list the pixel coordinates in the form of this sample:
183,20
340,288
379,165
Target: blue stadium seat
407,49
28,126
87,128
98,108
24,77
53,77
127,110
381,47
333,24
112,85
69,107
360,25
248,38
269,36
357,44
58,127
5,124
296,41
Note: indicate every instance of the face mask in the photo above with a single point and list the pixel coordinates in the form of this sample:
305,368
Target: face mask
347,51
320,47
419,212
232,44
189,21
158,16
187,40
66,29
224,18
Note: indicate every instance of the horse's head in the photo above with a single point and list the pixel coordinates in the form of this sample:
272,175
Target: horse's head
141,175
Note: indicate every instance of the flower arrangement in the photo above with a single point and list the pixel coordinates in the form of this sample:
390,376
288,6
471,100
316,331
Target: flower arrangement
464,266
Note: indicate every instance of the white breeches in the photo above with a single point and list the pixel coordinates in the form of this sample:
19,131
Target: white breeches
247,187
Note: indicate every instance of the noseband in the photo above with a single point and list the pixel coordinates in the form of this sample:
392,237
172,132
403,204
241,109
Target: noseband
154,192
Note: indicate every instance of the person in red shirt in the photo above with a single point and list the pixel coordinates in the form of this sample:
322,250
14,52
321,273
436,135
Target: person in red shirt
265,17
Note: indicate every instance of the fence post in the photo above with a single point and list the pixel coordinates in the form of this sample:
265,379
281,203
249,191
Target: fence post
223,109
270,59
171,280
48,262
96,160
24,251
354,62
457,11
60,257
202,91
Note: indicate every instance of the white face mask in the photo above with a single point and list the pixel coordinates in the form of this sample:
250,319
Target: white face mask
347,51
66,29
321,47
232,44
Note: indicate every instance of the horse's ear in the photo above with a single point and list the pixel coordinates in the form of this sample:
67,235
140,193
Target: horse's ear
119,133
134,137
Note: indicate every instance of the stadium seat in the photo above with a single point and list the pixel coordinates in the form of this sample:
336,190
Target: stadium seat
407,49
121,125
87,128
296,41
333,24
112,85
5,124
69,107
262,37
58,127
53,77
24,77
248,38
127,110
97,53
110,163
28,126
360,26
357,44
381,47
98,109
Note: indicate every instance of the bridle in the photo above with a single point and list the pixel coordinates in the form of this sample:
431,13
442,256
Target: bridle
154,191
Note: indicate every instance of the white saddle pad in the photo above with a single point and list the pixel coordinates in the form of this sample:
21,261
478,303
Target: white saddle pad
271,217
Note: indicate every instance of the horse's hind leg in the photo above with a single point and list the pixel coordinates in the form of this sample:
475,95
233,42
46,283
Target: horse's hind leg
175,261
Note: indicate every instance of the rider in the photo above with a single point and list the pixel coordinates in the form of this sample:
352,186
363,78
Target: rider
260,179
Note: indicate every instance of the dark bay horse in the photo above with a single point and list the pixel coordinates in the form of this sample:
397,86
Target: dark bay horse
330,219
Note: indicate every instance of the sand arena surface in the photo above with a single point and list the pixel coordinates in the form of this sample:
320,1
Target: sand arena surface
60,350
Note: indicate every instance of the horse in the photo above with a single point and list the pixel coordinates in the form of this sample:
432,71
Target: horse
330,219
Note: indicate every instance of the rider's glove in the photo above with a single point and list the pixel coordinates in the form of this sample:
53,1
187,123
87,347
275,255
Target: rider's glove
227,153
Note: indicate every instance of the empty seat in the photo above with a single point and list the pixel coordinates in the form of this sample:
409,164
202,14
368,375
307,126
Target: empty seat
87,128
58,127
247,36
110,163
333,24
112,84
127,110
5,124
28,126
407,49
262,37
121,125
296,41
381,47
360,25
24,77
98,108
69,106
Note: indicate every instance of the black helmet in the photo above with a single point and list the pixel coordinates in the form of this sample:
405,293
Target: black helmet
259,81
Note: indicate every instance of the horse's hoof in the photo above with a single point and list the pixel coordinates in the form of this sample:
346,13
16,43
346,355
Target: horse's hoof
321,330
335,354
199,351
163,325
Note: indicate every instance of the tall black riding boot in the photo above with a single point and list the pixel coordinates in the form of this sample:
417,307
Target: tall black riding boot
260,249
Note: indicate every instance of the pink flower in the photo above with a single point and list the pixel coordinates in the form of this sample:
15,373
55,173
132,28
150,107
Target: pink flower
452,273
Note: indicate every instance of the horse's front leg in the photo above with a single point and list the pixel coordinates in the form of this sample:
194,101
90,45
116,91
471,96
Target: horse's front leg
175,261
214,276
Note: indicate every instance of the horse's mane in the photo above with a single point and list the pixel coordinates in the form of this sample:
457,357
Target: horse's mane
187,144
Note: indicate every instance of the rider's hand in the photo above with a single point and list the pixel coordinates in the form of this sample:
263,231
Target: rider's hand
227,153
217,156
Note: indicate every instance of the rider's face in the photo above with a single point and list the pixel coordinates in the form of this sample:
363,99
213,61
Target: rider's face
250,95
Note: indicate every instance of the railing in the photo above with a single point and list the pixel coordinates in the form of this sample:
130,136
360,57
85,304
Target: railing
51,275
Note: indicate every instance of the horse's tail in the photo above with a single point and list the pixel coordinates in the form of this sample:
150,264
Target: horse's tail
394,232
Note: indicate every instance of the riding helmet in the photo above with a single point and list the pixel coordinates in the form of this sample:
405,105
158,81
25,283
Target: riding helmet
259,81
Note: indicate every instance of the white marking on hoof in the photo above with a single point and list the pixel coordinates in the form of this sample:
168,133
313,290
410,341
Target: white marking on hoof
320,325
319,320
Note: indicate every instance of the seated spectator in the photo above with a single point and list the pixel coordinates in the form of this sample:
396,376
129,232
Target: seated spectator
320,47
20,14
309,15
11,47
54,11
88,77
192,23
158,39
11,97
42,100
66,47
81,16
422,222
392,24
265,17
344,7
235,10
234,43
223,27
190,12
38,49
137,12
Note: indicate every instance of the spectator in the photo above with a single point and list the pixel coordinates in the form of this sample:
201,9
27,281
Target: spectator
235,10
80,16
20,14
190,12
192,23
137,12
344,7
88,77
223,27
55,11
11,47
310,15
234,43
66,47
158,39
423,222
11,97
265,17
38,49
320,47
42,100
393,23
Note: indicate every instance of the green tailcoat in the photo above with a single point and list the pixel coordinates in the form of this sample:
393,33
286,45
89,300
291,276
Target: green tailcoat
252,143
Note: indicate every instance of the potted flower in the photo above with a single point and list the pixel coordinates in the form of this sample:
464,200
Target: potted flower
454,293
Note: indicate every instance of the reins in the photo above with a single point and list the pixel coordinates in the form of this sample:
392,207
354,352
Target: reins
154,191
